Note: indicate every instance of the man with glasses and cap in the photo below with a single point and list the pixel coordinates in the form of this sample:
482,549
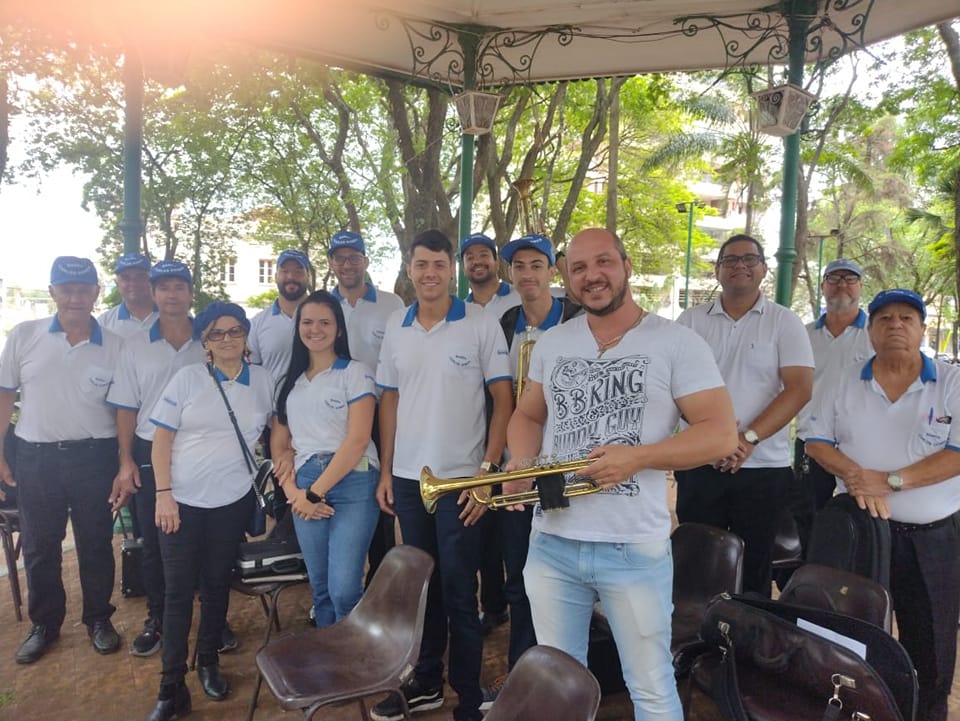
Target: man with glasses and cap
886,430
147,363
271,330
766,361
365,310
66,451
136,310
839,337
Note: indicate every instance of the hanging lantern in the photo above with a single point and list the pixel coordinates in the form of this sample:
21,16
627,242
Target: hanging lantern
782,109
477,111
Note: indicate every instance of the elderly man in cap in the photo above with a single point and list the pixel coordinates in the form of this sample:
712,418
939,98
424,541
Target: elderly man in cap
478,254
271,330
147,363
839,337
66,450
885,429
136,310
366,310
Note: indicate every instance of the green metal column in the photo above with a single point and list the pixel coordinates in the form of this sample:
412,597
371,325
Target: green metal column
131,225
686,279
468,42
799,15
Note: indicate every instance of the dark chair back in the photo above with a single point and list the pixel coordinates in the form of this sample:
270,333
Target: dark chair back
832,589
706,561
546,683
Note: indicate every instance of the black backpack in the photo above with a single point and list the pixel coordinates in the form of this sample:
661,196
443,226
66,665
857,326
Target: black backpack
848,538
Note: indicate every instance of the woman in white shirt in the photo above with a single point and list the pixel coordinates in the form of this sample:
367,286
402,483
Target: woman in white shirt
325,458
204,495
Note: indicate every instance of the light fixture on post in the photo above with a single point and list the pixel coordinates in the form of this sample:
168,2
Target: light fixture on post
688,209
477,111
782,109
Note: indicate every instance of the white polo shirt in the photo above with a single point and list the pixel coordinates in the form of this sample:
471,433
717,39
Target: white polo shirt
832,354
857,417
367,322
626,396
147,363
63,388
750,352
271,340
207,468
503,300
440,375
318,409
121,321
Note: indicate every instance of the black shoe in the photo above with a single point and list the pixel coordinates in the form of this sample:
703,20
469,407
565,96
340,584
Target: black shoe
170,708
148,642
228,640
418,699
104,636
489,621
36,643
213,684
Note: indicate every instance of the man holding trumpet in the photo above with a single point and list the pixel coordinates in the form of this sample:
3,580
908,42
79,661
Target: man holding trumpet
611,386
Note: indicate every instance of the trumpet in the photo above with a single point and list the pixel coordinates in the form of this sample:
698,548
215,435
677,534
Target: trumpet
431,487
523,366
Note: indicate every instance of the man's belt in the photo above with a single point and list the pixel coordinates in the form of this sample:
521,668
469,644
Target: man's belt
900,527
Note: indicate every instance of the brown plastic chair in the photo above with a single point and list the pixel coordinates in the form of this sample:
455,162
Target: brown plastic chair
706,561
371,651
546,683
10,525
844,592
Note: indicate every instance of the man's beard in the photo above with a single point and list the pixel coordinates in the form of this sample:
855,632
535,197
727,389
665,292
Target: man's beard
618,300
301,290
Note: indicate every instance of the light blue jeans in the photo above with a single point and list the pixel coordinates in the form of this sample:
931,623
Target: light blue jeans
634,583
334,549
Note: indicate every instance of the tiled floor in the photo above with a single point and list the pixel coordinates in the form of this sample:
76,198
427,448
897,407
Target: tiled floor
73,682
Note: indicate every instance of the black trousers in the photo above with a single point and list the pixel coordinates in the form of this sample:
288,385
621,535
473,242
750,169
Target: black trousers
145,501
925,585
515,536
746,502
810,489
56,481
492,598
204,549
384,535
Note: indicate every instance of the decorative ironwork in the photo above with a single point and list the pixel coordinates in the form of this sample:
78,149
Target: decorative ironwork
504,57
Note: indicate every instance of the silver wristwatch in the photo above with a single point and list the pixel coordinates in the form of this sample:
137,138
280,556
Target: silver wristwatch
895,482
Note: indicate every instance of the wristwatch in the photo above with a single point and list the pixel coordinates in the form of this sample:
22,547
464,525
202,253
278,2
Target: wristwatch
895,482
489,466
751,437
313,497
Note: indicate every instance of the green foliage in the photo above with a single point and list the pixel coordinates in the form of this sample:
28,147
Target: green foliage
263,300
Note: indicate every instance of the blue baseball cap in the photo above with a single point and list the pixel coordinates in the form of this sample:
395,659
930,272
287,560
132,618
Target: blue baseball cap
898,295
131,261
537,242
346,239
842,264
293,254
216,310
71,269
170,269
477,239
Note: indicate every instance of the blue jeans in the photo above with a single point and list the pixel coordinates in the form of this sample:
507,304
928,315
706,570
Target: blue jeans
634,583
452,596
334,549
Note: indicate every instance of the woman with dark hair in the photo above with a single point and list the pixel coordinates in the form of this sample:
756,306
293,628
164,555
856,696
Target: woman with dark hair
204,495
326,460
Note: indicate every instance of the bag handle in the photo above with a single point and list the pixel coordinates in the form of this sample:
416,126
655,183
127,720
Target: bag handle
247,455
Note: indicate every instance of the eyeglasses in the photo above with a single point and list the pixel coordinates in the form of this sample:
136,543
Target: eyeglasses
838,279
218,335
749,260
348,259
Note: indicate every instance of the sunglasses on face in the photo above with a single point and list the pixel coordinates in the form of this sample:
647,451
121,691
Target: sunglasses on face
217,335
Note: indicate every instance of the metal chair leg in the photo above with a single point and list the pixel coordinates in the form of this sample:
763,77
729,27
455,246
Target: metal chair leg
10,553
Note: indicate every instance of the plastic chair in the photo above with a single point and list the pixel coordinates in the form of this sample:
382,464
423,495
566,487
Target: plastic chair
546,683
371,651
706,561
10,525
832,589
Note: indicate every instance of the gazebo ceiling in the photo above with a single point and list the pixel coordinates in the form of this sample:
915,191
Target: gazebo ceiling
518,41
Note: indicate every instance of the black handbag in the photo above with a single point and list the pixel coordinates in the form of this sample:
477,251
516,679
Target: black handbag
260,473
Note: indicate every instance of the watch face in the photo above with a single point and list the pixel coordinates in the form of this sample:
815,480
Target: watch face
751,437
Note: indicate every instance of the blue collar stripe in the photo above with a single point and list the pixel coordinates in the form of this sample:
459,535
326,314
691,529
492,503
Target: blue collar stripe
123,313
553,317
243,379
155,334
275,308
504,288
96,332
458,311
340,363
928,369
860,321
